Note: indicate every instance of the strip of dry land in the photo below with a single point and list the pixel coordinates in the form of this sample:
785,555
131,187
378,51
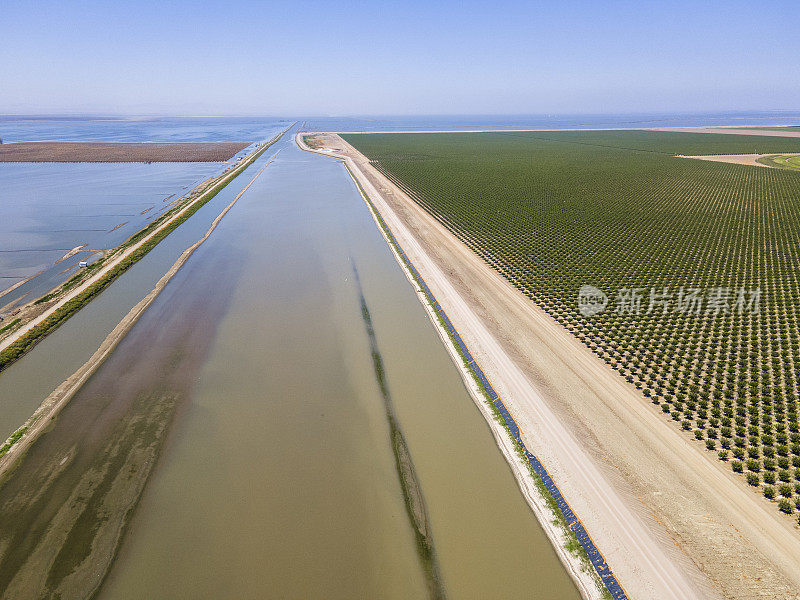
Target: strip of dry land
728,130
671,522
733,131
740,159
119,152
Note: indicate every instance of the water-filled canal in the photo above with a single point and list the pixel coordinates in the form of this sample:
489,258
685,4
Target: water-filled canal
243,420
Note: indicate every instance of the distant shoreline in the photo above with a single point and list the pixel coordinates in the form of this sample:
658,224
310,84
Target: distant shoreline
722,129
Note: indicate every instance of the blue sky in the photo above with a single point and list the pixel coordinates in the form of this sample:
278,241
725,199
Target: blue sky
338,57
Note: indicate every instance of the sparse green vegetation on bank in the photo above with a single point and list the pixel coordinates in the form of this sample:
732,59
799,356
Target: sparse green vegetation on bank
779,161
12,325
13,439
780,128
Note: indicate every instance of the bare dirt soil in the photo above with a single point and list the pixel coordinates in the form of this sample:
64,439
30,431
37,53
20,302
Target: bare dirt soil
738,159
671,522
732,131
128,152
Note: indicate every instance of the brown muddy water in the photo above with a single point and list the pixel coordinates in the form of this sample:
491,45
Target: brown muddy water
236,443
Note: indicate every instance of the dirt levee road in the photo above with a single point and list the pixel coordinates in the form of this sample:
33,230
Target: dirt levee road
738,159
733,131
128,152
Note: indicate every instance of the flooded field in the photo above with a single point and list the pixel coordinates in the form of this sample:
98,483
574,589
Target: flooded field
52,208
27,382
238,443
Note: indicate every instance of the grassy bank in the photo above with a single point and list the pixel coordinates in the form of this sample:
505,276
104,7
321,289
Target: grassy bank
13,439
779,161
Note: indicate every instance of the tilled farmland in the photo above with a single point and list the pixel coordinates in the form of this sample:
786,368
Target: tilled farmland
680,274
119,152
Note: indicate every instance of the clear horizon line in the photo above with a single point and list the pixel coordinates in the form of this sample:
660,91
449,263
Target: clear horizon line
112,115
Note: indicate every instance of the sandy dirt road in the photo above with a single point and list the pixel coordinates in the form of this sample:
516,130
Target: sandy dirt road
671,522
726,130
731,131
738,159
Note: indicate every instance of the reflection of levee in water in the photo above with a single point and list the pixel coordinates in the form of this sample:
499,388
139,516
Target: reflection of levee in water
412,490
